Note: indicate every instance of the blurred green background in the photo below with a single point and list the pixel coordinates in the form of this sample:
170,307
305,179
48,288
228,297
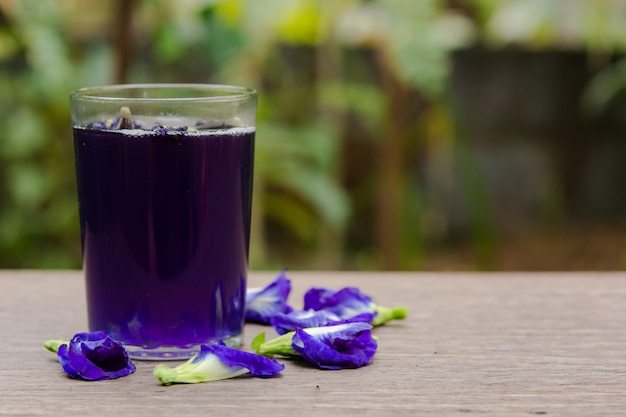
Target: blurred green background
392,134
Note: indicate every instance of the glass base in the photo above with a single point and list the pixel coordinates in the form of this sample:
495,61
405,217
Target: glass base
173,353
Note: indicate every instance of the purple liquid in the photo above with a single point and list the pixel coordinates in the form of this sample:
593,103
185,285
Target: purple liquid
165,223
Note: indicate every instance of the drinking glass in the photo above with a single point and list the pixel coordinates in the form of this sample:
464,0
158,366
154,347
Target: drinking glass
164,175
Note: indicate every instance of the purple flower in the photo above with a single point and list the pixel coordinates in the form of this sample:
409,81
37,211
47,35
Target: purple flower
300,319
94,356
341,346
349,303
263,303
215,362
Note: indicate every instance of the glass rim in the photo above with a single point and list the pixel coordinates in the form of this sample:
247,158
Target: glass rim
227,92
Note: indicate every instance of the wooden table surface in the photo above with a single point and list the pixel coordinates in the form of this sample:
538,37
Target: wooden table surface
498,344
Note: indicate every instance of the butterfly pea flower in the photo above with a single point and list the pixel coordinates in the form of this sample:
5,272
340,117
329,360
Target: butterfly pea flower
341,346
300,319
264,302
92,356
350,302
215,362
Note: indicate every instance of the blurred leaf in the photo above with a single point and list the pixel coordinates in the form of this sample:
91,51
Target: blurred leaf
49,73
231,11
223,40
291,214
315,145
301,23
28,184
318,191
367,101
169,45
301,161
412,44
8,45
10,227
25,133
604,87
94,68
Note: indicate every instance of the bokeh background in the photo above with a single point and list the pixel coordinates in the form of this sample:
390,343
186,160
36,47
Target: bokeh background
392,134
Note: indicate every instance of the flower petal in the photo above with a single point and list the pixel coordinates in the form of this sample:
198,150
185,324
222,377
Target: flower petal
263,303
350,302
300,319
343,346
64,360
346,303
194,371
257,365
216,362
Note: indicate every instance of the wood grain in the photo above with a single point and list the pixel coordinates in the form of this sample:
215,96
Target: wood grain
501,344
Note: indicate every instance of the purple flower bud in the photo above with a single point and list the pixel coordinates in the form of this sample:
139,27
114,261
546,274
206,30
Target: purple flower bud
94,356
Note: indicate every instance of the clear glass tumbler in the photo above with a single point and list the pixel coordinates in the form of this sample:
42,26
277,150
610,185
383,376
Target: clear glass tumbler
164,174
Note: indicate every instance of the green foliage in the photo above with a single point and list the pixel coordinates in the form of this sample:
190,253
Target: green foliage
596,25
50,47
297,164
38,211
365,100
607,85
45,59
312,92
413,48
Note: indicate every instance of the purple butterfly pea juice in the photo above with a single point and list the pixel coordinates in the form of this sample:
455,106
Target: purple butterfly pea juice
165,225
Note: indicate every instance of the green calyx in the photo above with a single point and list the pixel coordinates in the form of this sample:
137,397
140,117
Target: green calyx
280,345
54,344
385,314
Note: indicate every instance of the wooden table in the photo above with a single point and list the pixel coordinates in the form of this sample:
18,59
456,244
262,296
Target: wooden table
500,344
